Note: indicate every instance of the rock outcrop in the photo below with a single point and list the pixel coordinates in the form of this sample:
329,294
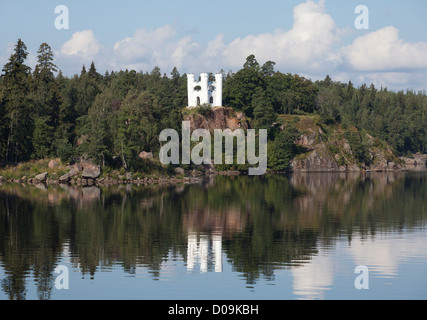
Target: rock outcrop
217,118
333,151
418,162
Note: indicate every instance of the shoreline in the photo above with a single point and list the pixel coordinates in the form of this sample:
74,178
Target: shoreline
174,180
86,173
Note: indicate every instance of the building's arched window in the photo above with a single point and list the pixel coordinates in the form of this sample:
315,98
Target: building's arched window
211,100
198,101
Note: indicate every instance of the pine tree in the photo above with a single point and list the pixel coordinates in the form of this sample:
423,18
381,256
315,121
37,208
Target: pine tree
87,89
16,76
47,101
92,73
45,67
263,110
3,123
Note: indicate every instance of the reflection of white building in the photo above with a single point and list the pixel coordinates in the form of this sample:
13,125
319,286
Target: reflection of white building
205,250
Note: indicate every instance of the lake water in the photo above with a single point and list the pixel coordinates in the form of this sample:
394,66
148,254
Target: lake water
287,237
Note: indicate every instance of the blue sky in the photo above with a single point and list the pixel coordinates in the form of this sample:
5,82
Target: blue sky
312,38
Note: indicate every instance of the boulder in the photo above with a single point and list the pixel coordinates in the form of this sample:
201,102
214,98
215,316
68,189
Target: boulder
41,177
73,172
53,164
146,155
90,170
64,178
179,171
91,173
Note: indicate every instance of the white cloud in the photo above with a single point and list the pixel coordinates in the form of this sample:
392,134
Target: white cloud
82,44
383,50
313,47
158,47
306,46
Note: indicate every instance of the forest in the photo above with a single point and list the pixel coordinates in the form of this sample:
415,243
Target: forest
112,117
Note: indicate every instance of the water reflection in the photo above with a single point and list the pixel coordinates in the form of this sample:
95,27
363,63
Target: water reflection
387,259
205,250
257,226
311,280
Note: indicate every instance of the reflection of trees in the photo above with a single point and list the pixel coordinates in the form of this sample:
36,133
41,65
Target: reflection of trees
29,242
266,222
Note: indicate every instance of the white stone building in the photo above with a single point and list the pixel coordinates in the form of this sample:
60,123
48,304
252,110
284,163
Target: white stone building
203,91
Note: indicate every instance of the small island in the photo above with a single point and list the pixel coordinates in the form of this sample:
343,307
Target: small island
104,129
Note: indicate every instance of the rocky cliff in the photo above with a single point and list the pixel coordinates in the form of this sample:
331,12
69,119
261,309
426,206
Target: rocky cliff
332,148
216,118
323,148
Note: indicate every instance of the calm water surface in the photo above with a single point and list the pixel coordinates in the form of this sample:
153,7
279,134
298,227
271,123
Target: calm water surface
292,237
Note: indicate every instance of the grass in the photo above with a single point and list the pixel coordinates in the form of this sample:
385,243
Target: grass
32,168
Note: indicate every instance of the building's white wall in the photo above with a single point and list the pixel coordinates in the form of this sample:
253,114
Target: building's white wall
218,90
204,83
204,94
190,89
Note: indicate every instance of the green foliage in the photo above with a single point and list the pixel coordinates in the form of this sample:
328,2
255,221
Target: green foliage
17,105
3,124
204,110
43,136
287,93
283,149
239,89
138,126
103,127
263,111
360,150
65,150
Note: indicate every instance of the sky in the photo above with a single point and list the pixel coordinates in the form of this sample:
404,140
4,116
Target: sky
312,38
